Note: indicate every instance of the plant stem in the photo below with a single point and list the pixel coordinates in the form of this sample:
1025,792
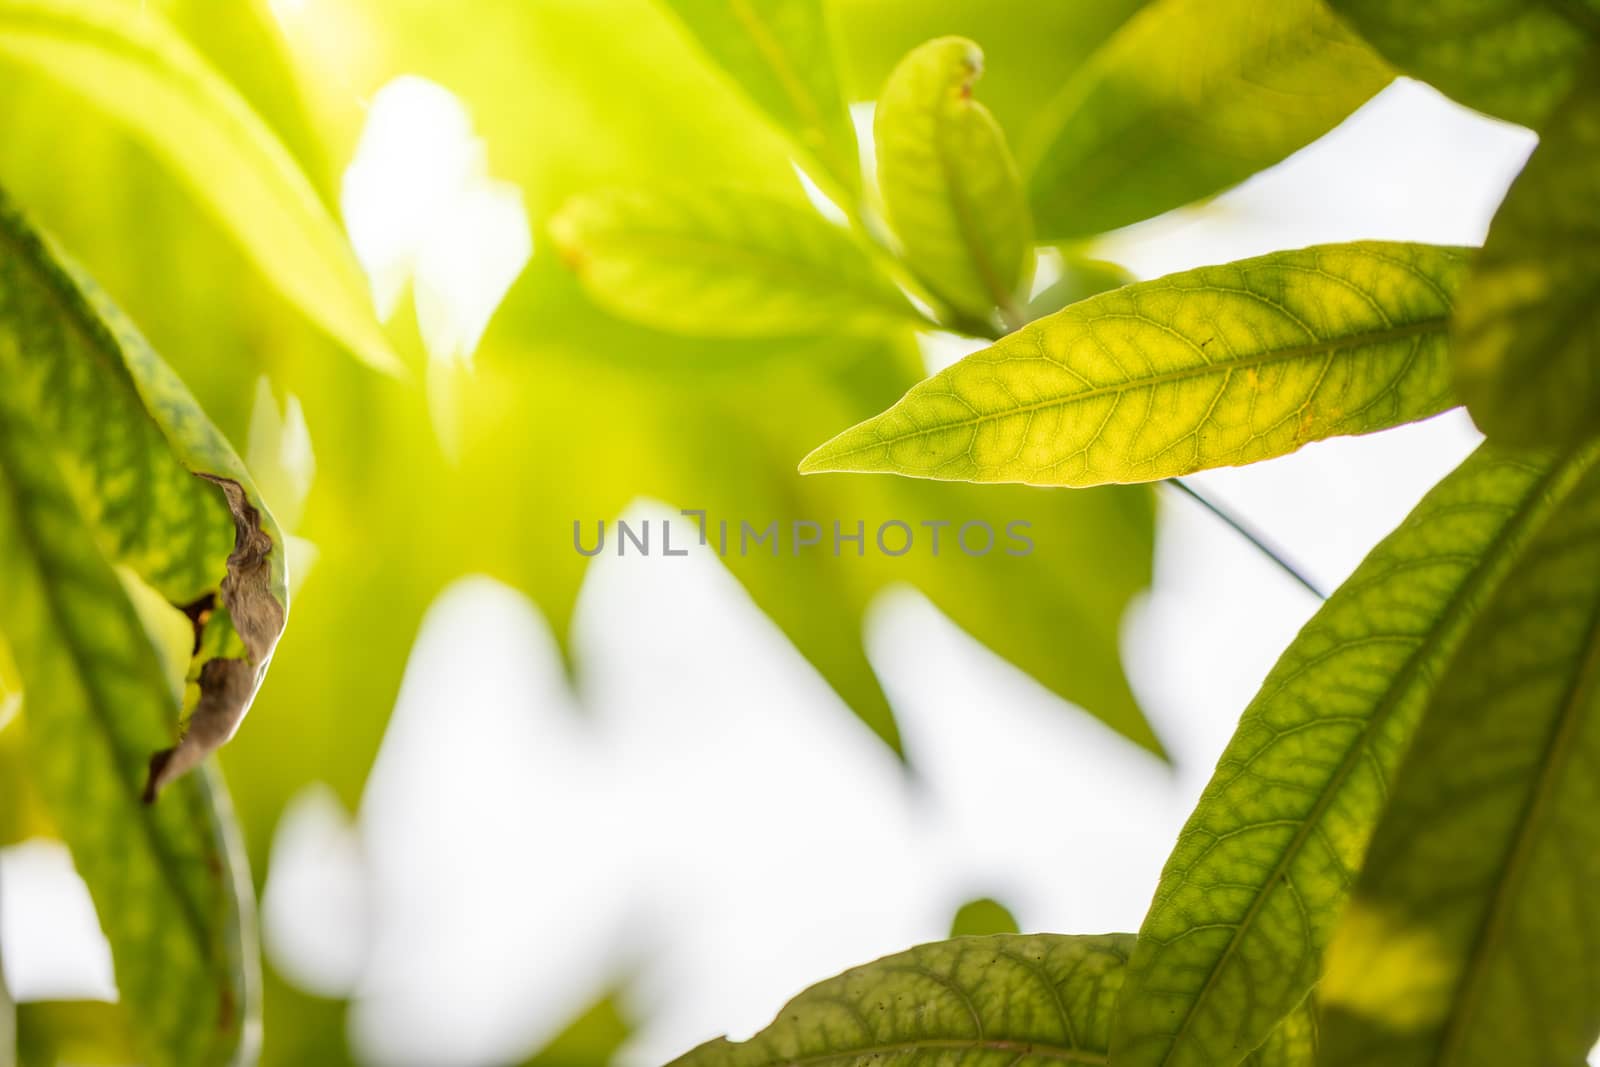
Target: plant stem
1250,535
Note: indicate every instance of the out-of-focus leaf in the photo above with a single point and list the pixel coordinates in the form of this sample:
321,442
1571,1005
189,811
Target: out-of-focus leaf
90,1033
980,917
22,812
1190,97
1080,279
590,1040
615,411
982,1000
244,42
950,187
1030,47
1250,896
132,64
8,1018
1512,58
780,53
667,439
1212,367
87,406
1469,937
719,263
302,1028
1527,338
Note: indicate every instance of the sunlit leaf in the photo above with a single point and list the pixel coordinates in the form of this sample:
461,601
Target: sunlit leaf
1250,895
1469,936
1029,47
1511,58
719,263
977,918
1216,366
1188,98
131,63
1080,279
99,447
994,1000
781,54
1527,339
949,184
982,1000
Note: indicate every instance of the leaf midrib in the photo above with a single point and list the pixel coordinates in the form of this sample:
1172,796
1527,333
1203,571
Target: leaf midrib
1545,496
961,203
1432,324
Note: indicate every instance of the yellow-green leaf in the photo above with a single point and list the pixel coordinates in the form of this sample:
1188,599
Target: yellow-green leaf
165,879
985,1001
1527,338
1080,279
100,448
949,185
1028,45
1469,939
85,1033
1217,366
129,62
780,52
1512,58
1188,98
980,917
1250,896
721,263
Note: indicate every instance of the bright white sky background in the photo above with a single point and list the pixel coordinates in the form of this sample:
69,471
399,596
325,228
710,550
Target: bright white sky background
728,833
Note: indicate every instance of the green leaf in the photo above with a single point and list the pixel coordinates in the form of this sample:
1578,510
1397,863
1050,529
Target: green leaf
1469,936
129,62
981,1000
781,53
950,187
1080,279
162,877
1527,338
993,1000
79,1032
1027,44
590,1040
720,263
982,916
1190,97
99,448
1217,366
1294,1042
1512,58
1250,895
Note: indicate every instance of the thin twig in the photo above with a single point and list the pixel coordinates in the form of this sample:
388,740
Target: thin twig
1250,535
